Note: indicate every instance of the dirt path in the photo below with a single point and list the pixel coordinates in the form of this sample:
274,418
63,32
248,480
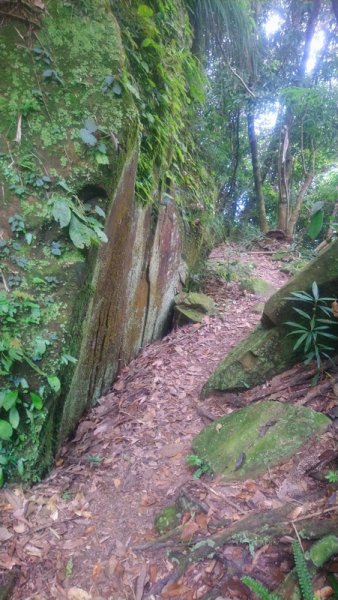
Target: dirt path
79,528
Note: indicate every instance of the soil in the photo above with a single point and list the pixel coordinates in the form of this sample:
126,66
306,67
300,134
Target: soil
87,531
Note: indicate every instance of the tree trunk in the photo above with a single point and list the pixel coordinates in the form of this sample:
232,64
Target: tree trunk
284,169
298,204
256,169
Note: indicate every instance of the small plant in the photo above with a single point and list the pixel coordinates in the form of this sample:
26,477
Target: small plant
94,459
83,229
90,135
303,574
314,327
304,577
259,589
332,476
17,224
200,464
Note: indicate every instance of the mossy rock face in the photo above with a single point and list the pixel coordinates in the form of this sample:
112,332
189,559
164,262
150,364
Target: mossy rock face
167,519
247,442
323,270
263,354
258,286
193,306
97,304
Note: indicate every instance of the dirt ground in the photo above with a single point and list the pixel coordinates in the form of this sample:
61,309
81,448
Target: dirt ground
87,531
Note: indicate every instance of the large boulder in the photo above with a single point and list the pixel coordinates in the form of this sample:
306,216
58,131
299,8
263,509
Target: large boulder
269,350
247,442
254,360
323,269
193,307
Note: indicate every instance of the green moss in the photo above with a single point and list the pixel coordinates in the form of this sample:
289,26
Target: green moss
263,354
167,519
257,286
323,549
245,443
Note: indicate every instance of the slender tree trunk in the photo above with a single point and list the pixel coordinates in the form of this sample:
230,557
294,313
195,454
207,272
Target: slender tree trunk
310,29
298,204
256,169
284,173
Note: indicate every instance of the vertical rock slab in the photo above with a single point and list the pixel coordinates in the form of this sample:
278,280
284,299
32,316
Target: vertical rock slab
166,268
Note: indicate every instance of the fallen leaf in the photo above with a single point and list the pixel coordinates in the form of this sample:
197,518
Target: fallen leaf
153,573
295,513
96,570
325,592
20,528
76,593
174,590
202,520
119,385
112,564
90,529
5,534
8,562
33,551
171,450
141,582
189,530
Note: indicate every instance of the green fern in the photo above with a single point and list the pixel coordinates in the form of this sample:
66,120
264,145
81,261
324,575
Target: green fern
304,577
259,589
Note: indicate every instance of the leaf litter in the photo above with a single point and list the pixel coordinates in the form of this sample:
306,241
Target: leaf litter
77,534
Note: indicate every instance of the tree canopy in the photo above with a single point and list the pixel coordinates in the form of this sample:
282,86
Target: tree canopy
269,126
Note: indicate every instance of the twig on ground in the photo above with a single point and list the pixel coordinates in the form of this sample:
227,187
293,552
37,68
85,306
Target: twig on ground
210,489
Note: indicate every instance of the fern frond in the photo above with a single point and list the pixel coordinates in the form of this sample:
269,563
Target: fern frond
304,577
258,588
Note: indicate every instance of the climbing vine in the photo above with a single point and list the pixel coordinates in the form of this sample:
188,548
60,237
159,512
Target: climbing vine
167,82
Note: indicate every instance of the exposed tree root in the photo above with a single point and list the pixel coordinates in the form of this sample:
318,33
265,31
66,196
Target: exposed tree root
258,529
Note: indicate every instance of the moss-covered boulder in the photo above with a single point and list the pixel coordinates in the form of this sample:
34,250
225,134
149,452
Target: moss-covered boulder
193,307
258,286
245,443
323,269
264,353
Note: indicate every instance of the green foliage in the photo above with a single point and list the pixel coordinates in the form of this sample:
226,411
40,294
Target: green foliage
314,325
316,223
200,465
332,476
304,577
303,574
258,588
166,82
20,402
84,229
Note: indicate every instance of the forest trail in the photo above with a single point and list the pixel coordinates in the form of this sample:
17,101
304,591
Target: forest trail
75,535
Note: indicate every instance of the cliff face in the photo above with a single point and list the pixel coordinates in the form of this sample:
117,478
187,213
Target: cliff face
88,271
